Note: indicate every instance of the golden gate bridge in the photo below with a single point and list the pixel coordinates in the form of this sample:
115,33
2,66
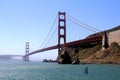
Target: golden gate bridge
63,31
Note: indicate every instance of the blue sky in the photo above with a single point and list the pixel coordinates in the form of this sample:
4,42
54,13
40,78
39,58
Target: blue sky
30,20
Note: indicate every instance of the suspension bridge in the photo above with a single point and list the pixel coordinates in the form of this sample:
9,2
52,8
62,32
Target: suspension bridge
74,33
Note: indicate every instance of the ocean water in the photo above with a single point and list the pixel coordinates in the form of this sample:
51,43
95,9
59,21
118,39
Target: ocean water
18,70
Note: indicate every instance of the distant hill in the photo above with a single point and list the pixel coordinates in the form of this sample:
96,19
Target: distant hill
5,57
8,57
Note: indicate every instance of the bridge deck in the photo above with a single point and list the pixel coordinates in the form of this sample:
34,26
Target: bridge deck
78,42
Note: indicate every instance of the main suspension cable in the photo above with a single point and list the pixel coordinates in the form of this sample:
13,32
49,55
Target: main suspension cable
86,26
49,32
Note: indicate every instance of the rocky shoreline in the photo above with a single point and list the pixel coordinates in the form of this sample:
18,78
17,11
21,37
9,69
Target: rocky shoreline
84,62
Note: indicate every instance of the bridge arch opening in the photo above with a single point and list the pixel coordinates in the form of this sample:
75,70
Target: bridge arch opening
62,24
62,31
61,15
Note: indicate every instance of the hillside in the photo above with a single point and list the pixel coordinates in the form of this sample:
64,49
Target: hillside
109,55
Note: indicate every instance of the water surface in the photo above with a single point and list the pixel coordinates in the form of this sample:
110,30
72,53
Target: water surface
18,70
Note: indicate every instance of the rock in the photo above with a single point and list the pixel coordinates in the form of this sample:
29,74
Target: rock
65,58
76,61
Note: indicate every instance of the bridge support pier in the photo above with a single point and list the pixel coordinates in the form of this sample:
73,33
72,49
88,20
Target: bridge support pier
26,58
105,41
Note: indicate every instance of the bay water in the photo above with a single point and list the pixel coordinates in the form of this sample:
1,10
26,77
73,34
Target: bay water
19,70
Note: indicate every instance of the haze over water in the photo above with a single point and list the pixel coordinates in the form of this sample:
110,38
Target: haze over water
18,70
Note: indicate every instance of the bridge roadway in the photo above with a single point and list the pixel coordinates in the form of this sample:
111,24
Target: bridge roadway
69,44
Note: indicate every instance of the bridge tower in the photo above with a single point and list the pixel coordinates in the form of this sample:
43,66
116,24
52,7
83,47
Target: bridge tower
26,58
61,30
